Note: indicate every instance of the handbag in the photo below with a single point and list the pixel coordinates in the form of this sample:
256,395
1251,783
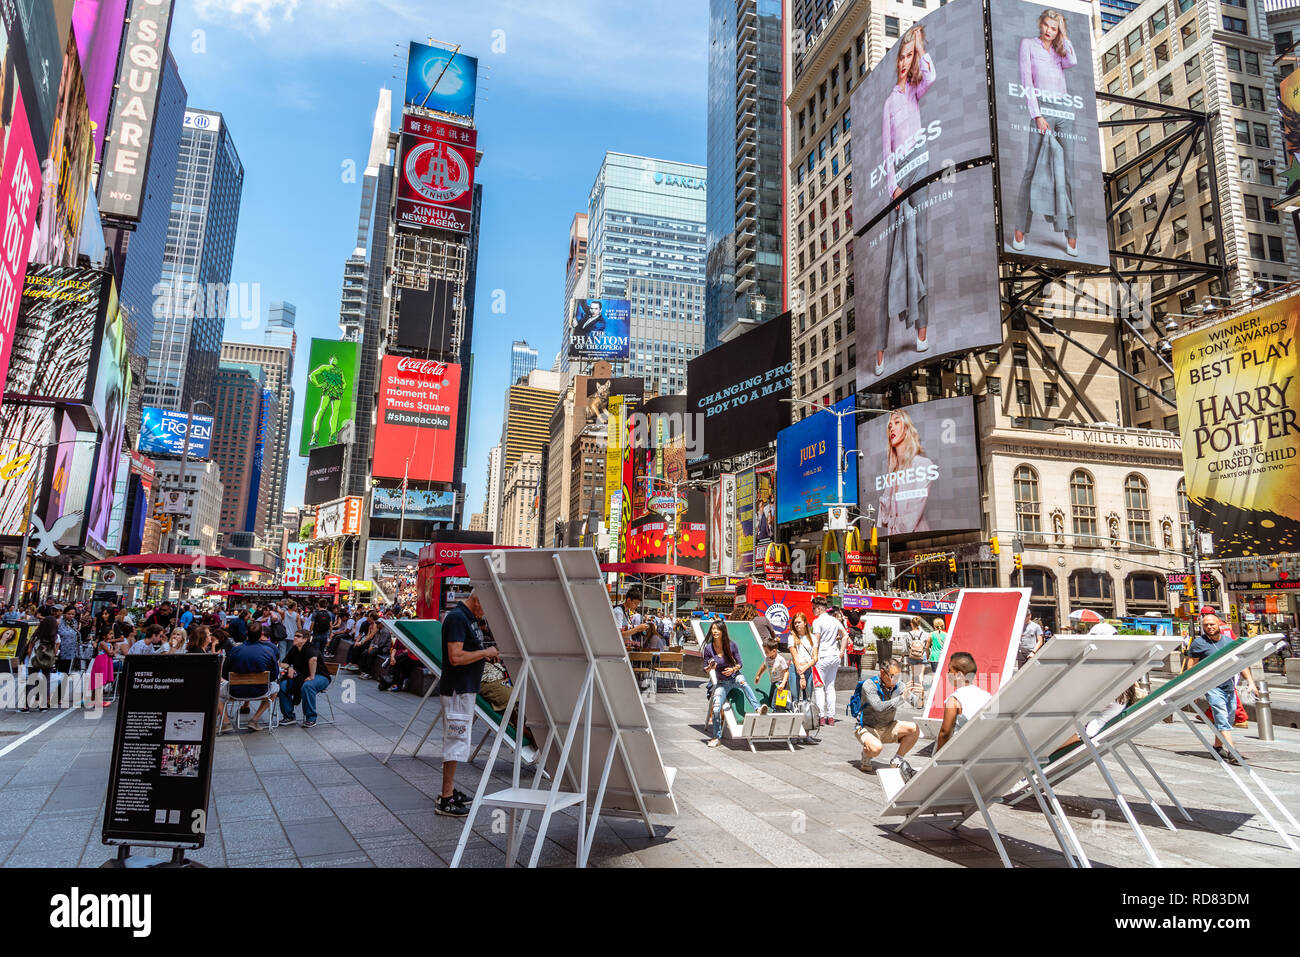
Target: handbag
782,698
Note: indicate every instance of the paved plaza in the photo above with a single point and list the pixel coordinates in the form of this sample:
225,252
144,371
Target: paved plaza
321,797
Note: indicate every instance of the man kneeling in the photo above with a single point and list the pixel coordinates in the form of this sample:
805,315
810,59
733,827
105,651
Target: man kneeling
878,723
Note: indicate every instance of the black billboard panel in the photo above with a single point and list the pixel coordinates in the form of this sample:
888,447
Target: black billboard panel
426,318
735,391
324,475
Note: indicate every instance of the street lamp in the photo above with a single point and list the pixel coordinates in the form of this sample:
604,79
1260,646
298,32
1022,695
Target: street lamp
839,459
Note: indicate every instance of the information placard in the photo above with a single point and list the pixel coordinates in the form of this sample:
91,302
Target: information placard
162,751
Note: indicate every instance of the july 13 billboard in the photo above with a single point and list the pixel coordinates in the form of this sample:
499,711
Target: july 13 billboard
602,329
162,432
933,257
920,468
1049,155
442,80
329,405
1236,385
415,429
924,107
738,387
436,182
806,463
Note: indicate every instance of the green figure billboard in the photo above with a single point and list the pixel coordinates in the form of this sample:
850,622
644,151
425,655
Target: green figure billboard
330,403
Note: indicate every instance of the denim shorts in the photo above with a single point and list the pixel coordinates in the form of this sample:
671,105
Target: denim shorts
1223,707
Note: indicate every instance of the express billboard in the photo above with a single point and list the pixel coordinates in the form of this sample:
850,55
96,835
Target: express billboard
920,468
737,388
602,329
329,404
426,318
415,429
58,320
324,474
441,80
926,279
421,505
126,157
1049,149
163,432
436,174
806,463
923,109
1235,383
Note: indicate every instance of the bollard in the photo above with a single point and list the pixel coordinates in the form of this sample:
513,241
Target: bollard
1264,712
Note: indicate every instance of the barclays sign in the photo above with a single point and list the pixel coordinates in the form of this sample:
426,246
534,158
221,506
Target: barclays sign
672,179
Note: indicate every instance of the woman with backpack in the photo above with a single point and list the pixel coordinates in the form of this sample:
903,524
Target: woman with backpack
45,655
918,651
937,638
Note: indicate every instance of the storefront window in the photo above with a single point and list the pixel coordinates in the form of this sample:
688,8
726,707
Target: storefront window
1091,587
1146,587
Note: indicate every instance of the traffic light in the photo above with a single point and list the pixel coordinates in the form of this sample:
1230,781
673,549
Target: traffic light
165,524
1019,562
952,564
994,546
1189,589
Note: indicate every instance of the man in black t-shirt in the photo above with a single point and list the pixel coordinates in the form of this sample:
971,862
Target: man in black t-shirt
304,677
321,622
464,649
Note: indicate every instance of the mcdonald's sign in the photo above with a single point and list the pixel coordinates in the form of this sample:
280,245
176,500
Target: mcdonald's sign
776,562
857,560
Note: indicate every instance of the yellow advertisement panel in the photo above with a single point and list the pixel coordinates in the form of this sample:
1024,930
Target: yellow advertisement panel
1237,394
613,451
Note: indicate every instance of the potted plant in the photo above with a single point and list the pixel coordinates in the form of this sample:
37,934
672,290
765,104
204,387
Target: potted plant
884,642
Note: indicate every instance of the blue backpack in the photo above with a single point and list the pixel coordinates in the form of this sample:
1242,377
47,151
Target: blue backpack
855,703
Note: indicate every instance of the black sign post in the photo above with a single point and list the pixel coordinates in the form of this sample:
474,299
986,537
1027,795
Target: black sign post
162,757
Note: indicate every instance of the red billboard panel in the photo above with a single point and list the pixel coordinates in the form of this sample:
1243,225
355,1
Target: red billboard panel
19,195
415,435
437,174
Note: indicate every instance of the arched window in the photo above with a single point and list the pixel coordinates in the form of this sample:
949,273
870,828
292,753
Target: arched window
1138,509
1083,506
1029,521
1184,520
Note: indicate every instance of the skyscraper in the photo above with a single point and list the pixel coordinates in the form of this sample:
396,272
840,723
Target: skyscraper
237,410
190,318
576,280
523,360
743,242
362,300
646,244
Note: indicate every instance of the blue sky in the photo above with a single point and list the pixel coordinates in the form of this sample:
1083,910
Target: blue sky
559,83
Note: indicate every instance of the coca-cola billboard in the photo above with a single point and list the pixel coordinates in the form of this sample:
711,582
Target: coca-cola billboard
436,186
415,431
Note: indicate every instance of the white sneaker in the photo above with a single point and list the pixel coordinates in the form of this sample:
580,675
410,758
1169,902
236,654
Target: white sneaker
880,367
762,709
714,742
528,753
922,345
1018,245
1072,250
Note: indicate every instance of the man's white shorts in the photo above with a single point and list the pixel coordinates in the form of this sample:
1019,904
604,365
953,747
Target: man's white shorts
459,712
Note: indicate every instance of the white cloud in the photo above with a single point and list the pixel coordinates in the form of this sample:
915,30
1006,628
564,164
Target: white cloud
581,48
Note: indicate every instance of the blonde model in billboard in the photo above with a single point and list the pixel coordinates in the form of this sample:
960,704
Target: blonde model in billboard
905,487
1047,184
906,162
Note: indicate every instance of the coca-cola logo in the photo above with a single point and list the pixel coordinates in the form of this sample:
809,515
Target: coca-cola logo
421,366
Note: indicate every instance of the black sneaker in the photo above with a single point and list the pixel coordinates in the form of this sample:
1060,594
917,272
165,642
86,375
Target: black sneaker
289,720
449,808
460,797
309,724
1227,756
907,770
